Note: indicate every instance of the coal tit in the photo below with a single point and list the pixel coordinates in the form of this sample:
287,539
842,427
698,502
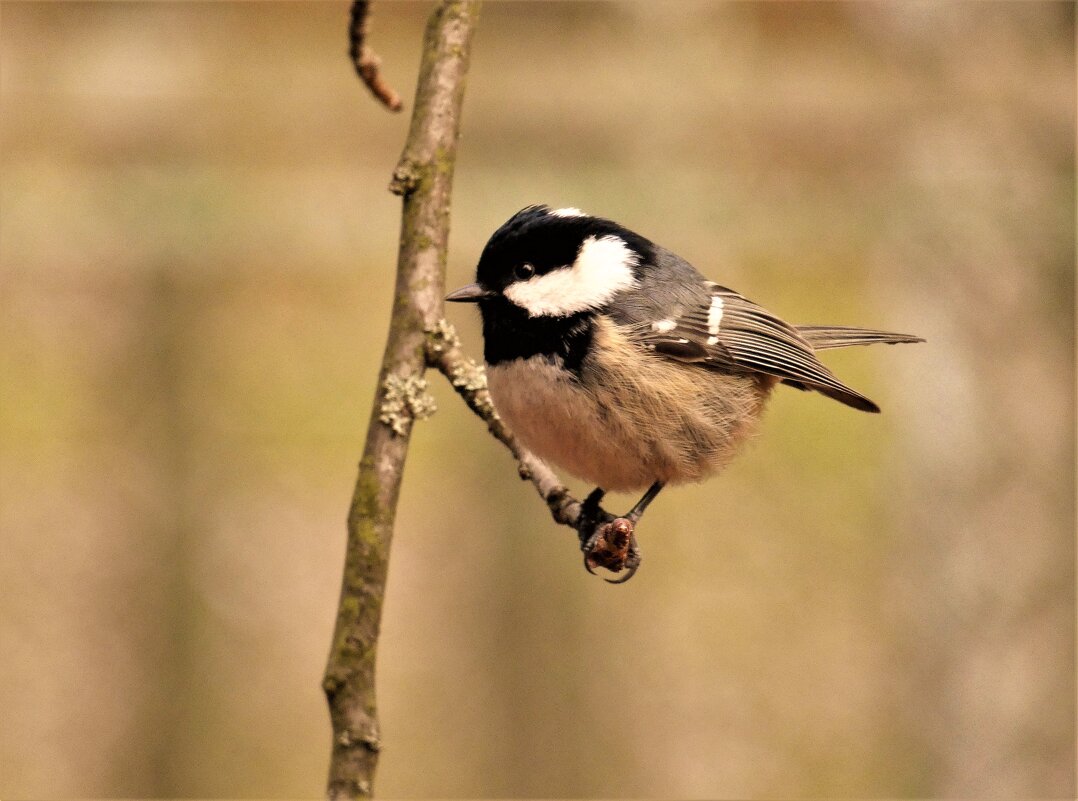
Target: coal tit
615,359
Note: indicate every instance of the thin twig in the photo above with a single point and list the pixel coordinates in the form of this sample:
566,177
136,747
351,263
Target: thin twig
610,545
469,380
367,63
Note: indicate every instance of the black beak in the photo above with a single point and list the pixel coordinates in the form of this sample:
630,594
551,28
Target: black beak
472,293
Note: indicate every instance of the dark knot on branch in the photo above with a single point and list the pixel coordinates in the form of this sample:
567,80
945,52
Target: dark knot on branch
405,179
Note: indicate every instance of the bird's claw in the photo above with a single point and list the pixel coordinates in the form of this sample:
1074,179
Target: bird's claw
631,564
608,541
613,546
587,564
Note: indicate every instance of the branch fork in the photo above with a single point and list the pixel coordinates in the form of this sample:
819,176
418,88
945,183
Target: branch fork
607,541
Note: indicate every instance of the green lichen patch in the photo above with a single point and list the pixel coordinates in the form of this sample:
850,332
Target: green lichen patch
442,337
404,400
469,375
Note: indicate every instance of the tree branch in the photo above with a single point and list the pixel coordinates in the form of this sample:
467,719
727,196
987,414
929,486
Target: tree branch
424,178
365,60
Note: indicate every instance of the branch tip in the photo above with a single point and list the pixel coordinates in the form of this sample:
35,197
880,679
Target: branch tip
367,63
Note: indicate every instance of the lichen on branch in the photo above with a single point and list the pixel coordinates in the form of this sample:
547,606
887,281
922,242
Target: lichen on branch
405,400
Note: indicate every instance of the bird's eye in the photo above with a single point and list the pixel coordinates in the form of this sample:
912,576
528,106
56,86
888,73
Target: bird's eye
524,271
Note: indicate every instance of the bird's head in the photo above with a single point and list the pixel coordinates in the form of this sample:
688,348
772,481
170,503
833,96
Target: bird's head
555,263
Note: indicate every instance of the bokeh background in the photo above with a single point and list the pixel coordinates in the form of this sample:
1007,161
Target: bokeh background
197,255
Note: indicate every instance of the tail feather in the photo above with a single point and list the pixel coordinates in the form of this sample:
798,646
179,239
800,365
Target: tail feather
851,397
822,337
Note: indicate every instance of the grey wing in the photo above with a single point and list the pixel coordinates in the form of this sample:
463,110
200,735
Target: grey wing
723,330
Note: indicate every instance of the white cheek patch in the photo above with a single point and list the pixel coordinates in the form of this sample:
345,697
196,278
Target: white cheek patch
603,268
714,319
568,212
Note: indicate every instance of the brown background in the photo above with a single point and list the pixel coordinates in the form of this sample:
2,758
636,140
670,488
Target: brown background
197,251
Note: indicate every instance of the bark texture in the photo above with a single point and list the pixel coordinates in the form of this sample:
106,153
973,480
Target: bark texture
424,179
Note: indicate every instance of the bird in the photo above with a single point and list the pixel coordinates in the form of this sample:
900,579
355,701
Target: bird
618,361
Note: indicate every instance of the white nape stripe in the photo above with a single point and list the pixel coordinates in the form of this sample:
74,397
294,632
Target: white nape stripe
714,319
664,326
569,211
603,268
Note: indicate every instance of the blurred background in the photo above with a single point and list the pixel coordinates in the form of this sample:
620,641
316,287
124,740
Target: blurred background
197,255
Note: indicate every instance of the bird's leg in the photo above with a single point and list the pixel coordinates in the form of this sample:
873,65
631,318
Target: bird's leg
638,511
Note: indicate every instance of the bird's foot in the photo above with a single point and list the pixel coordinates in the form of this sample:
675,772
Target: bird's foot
615,549
607,541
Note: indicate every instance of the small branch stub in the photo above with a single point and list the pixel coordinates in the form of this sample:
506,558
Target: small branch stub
405,180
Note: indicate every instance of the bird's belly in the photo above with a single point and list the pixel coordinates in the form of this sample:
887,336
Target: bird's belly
620,434
560,421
